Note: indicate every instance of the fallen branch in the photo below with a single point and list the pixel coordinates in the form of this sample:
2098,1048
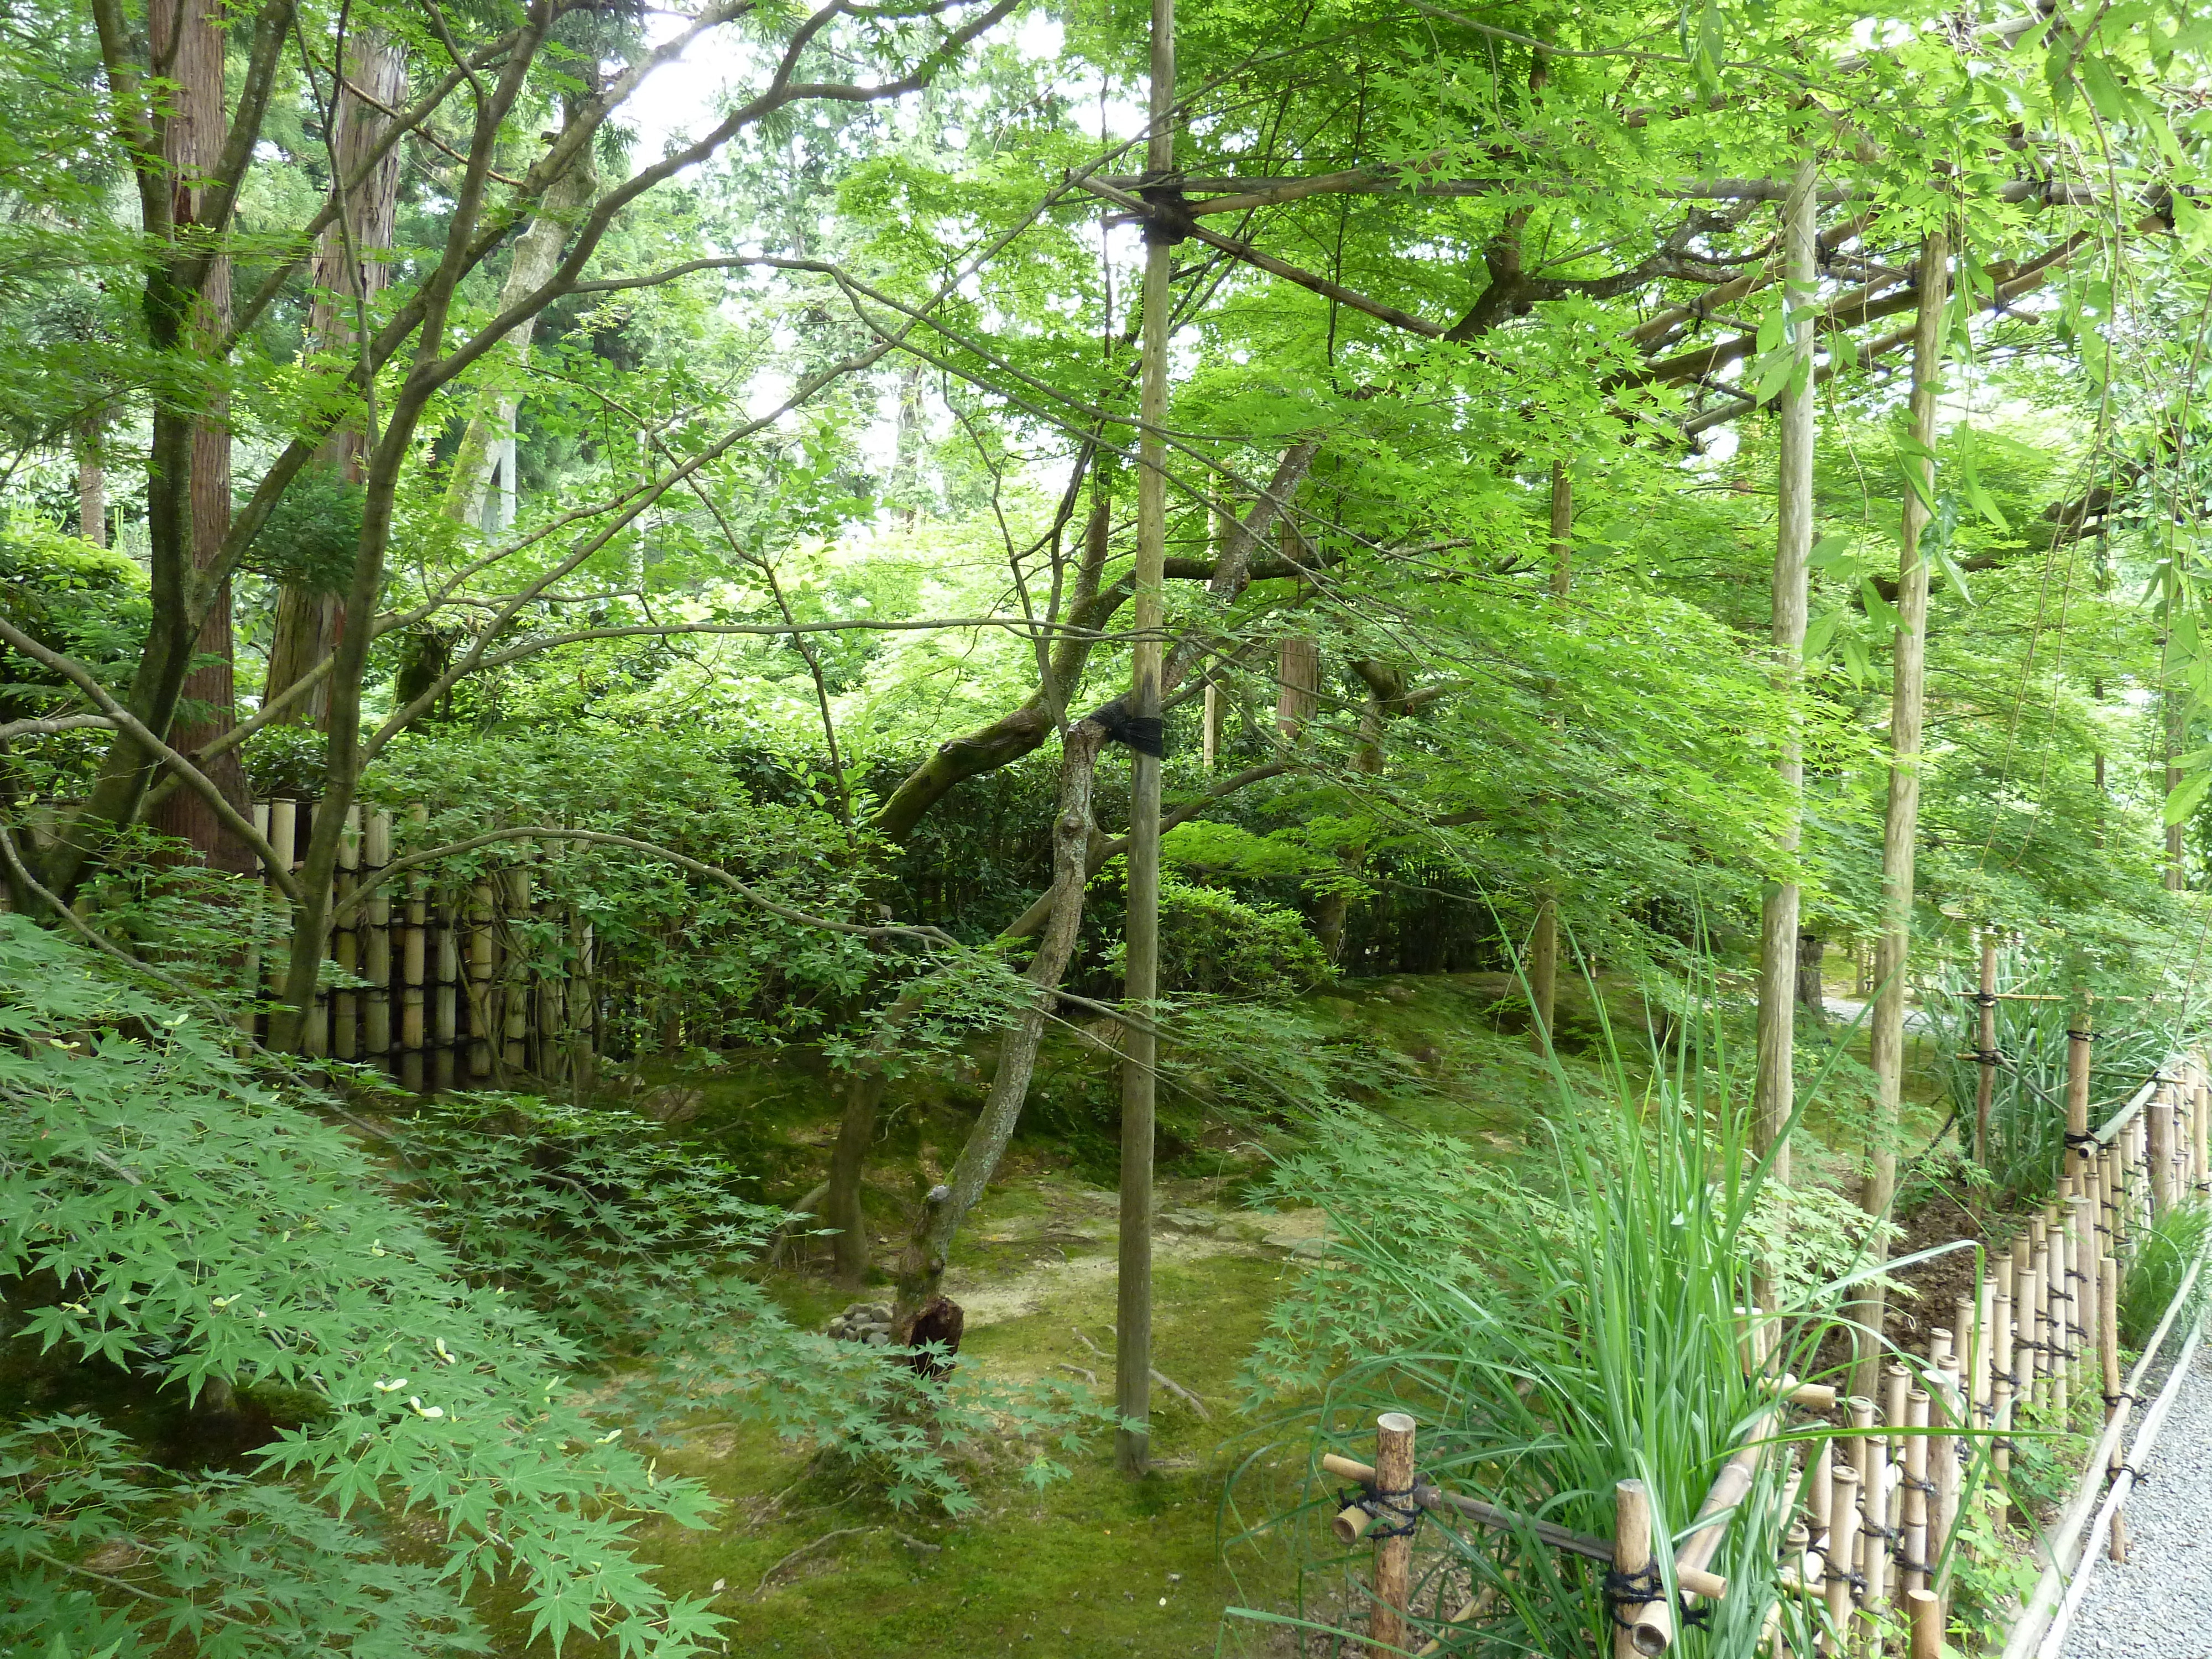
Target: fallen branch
803,1549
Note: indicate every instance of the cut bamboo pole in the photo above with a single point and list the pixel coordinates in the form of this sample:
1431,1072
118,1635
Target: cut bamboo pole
1393,1555
2029,1309
1915,1561
2200,1136
1926,1614
516,999
1979,1350
2161,1152
1840,1572
1985,1084
345,942
315,1017
446,1028
1947,1470
414,960
376,959
1654,1624
283,831
264,898
2108,1345
2004,1369
1877,1531
1631,1557
481,955
2077,1087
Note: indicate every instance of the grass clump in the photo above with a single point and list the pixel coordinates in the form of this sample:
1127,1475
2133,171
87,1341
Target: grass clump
2163,1253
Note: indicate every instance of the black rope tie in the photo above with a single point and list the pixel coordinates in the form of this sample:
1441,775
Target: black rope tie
1632,1589
2115,1399
2082,1036
2081,1143
1395,1515
1927,1487
2142,1476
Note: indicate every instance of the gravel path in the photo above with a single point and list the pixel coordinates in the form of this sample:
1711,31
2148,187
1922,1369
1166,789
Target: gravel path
2160,1604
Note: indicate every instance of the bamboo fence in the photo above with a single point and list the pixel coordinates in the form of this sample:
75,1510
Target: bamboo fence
1871,1509
448,984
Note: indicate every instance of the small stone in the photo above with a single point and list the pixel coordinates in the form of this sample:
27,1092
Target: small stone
1174,1578
877,1339
1399,993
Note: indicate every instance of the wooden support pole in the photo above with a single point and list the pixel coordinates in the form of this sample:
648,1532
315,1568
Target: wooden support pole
2200,1136
1632,1557
2029,1256
414,962
315,1018
1949,1407
1141,930
516,999
1393,1555
2004,1364
376,957
264,898
283,840
1985,1084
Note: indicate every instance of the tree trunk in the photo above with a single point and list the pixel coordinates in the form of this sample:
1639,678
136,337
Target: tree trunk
1298,684
486,456
1132,1300
91,481
1544,940
348,273
1901,821
841,1201
1811,992
1774,1090
206,695
922,1269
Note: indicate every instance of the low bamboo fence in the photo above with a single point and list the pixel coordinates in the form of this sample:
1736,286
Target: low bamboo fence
481,983
1872,1505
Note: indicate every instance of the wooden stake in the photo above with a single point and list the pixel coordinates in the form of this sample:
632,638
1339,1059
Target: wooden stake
1946,1463
1631,1557
2200,1136
2004,1362
481,953
1394,1556
2108,1346
1773,1088
446,1029
1140,979
515,998
2161,1127
413,959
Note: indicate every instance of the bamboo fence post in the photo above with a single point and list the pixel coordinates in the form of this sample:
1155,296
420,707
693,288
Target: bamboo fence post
1985,1084
283,832
446,1028
1977,1373
1915,1563
1926,1615
1631,1557
345,1009
583,1003
1393,1553
514,999
2200,1136
2161,1152
481,954
376,960
2004,1368
315,1017
2063,1320
413,960
2108,1343
1839,1576
1947,1472
2031,1251
2078,1038
250,967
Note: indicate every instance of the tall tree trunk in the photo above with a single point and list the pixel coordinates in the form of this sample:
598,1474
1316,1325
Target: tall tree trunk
92,480
922,1269
1543,942
1773,1091
482,475
348,274
191,29
1297,682
1900,823
1133,1299
1386,697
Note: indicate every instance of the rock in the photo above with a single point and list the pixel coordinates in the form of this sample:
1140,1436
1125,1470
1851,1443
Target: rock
1399,993
1191,1221
876,1337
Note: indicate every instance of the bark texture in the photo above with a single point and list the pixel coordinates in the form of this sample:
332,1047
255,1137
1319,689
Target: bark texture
349,271
1900,823
1773,1090
206,697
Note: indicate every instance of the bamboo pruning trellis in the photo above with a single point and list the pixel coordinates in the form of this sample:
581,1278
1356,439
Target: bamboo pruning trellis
436,980
1871,1518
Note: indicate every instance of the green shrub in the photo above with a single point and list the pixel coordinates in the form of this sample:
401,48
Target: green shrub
2160,1259
1214,944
